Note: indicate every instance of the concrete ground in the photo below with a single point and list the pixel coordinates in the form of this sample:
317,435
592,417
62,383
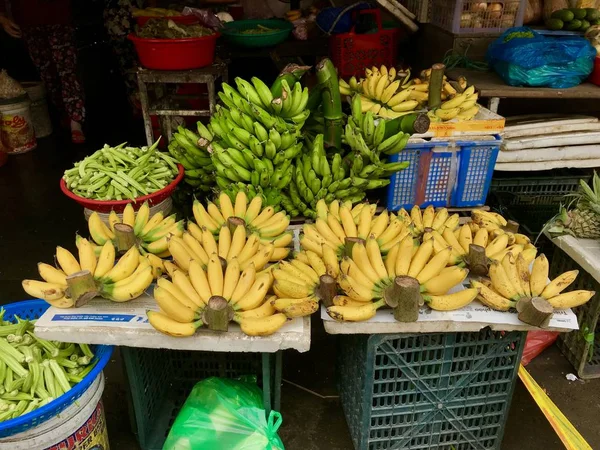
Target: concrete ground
37,217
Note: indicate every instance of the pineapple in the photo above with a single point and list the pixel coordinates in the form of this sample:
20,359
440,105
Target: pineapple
584,220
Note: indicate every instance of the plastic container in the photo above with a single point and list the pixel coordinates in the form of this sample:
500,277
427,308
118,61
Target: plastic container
428,391
352,52
39,108
477,159
467,16
16,126
595,75
82,426
428,180
176,54
33,309
533,200
106,206
233,32
583,353
161,380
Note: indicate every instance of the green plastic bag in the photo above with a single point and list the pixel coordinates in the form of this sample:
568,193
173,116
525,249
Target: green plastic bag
223,414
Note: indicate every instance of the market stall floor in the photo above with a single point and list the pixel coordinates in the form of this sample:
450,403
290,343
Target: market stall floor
37,217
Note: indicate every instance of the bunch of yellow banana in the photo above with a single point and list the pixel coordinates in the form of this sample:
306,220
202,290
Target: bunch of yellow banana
511,280
183,300
337,221
383,91
151,232
461,106
269,226
297,282
121,281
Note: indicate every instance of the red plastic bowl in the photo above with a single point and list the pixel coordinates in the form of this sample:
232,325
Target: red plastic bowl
184,20
176,54
106,206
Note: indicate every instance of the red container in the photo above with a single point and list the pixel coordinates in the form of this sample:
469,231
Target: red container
184,20
595,75
106,206
352,52
176,54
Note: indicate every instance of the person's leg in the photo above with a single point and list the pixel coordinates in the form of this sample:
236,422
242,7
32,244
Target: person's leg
64,54
36,40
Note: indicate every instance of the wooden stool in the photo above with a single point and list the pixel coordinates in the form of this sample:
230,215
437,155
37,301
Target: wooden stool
166,105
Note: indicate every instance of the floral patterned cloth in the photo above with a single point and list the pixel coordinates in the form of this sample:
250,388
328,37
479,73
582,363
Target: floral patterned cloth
52,50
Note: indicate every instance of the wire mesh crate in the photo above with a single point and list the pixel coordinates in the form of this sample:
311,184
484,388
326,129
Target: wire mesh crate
474,16
161,380
424,391
579,346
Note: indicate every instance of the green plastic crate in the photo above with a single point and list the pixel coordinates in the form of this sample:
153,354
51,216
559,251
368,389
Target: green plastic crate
161,380
585,356
533,200
428,391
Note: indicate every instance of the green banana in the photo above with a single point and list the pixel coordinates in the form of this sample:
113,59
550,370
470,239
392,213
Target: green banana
260,132
389,143
368,127
263,92
399,145
242,135
275,137
270,149
357,165
204,132
256,147
263,116
379,133
287,140
247,91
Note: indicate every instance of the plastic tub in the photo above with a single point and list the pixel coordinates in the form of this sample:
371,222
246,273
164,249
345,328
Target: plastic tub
176,54
16,126
39,108
82,425
106,206
33,309
233,32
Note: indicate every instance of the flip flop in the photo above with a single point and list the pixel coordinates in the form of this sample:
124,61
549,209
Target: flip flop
77,137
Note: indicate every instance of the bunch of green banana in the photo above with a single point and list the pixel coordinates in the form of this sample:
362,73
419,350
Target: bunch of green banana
190,150
256,136
460,106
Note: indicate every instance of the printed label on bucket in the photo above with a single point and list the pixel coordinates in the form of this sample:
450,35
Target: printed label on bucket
17,132
92,435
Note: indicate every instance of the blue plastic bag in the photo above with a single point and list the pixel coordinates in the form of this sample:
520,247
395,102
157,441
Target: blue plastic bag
523,57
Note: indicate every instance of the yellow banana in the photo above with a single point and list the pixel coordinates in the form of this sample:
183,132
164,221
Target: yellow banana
404,256
364,223
398,98
293,273
509,265
301,309
200,281
306,269
253,209
529,255
446,280
152,222
521,239
183,283
250,248
390,261
100,233
67,261
263,217
344,300
263,326
428,216
241,203
324,230
501,281
87,256
354,313
113,219
166,325
309,244
224,241
440,218
45,291
394,228
171,268
375,259
231,278
208,242
497,245
124,267
177,293
279,254
203,218
293,290
571,299
214,273
238,240
172,307
51,274
195,249
332,267
481,237
417,218
451,302
492,299
361,259
124,292
336,227
316,263
141,218
465,238
129,215
260,258
453,242
265,310
379,224
539,275
106,260
215,214
523,273
559,284
256,294
180,254
348,222
434,266
225,206
421,258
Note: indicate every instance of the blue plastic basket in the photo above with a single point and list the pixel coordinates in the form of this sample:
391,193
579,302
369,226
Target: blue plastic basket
476,167
428,180
443,173
33,309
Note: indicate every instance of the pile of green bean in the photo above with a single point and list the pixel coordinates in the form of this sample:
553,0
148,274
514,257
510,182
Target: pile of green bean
33,371
118,173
